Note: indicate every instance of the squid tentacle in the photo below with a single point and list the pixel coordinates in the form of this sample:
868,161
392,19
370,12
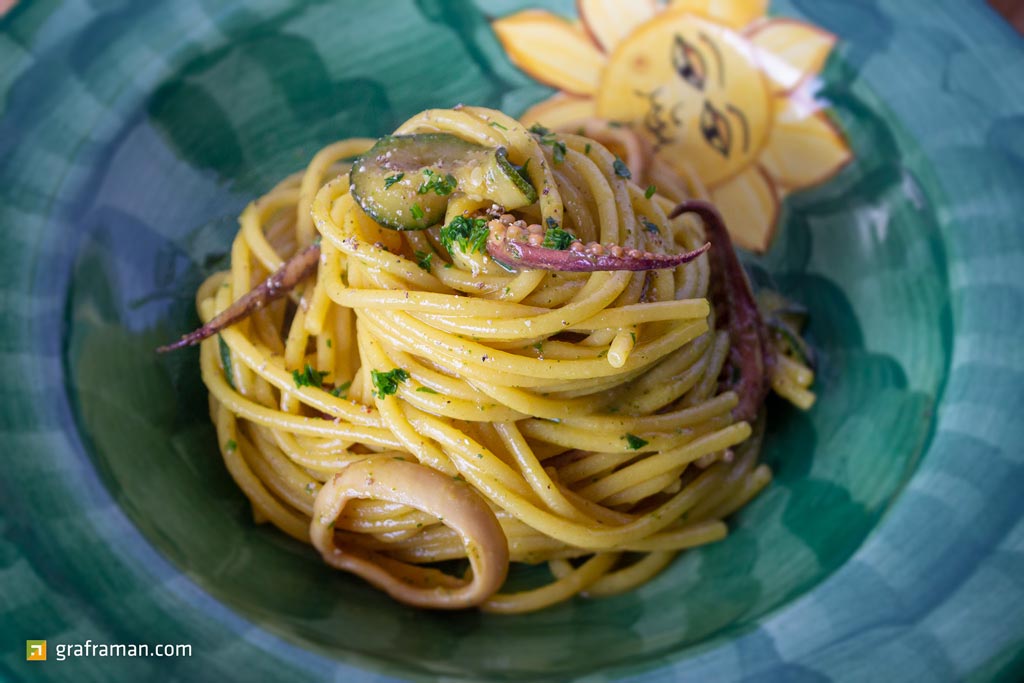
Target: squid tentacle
281,281
751,358
516,254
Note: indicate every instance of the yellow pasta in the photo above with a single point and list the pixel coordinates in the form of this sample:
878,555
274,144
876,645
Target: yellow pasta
410,405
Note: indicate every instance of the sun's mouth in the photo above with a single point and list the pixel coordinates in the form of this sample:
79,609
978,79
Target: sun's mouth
664,120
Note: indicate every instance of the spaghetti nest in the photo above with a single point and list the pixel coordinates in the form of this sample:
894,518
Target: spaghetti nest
413,405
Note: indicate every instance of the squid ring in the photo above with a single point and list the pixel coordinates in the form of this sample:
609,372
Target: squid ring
452,501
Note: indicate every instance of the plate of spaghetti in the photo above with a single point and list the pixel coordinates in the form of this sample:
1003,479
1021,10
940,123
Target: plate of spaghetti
514,341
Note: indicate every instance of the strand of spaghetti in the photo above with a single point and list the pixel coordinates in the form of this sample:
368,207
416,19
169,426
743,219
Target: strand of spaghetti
477,324
330,461
232,446
564,530
472,459
256,215
287,482
313,178
632,576
539,480
659,463
270,370
685,417
407,333
555,592
393,416
214,380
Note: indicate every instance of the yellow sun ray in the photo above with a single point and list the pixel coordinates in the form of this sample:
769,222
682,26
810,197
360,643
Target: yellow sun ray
790,50
551,50
609,21
749,203
560,111
805,148
736,14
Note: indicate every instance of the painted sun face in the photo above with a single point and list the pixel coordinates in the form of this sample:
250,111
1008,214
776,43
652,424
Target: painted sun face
699,94
720,91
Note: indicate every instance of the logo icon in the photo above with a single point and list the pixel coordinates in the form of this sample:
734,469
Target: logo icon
35,650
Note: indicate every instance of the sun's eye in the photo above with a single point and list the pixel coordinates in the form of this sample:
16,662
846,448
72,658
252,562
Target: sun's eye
716,129
689,62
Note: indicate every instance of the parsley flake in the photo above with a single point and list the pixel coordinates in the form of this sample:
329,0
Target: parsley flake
558,151
339,391
558,148
586,149
557,238
423,260
470,234
231,446
386,383
441,185
651,189
392,179
225,360
425,390
308,377
649,226
498,125
634,442
417,211
621,169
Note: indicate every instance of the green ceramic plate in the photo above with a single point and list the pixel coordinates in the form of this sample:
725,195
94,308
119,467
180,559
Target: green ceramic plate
891,544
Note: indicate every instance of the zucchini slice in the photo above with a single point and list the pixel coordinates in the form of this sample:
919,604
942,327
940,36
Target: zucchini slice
404,181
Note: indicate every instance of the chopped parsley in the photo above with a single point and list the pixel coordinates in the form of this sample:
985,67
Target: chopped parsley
621,169
539,346
557,238
586,149
441,185
634,442
558,148
426,390
498,125
470,234
329,344
615,124
386,383
651,189
632,335
423,260
225,360
558,151
392,179
231,446
339,391
308,377
417,211
649,226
